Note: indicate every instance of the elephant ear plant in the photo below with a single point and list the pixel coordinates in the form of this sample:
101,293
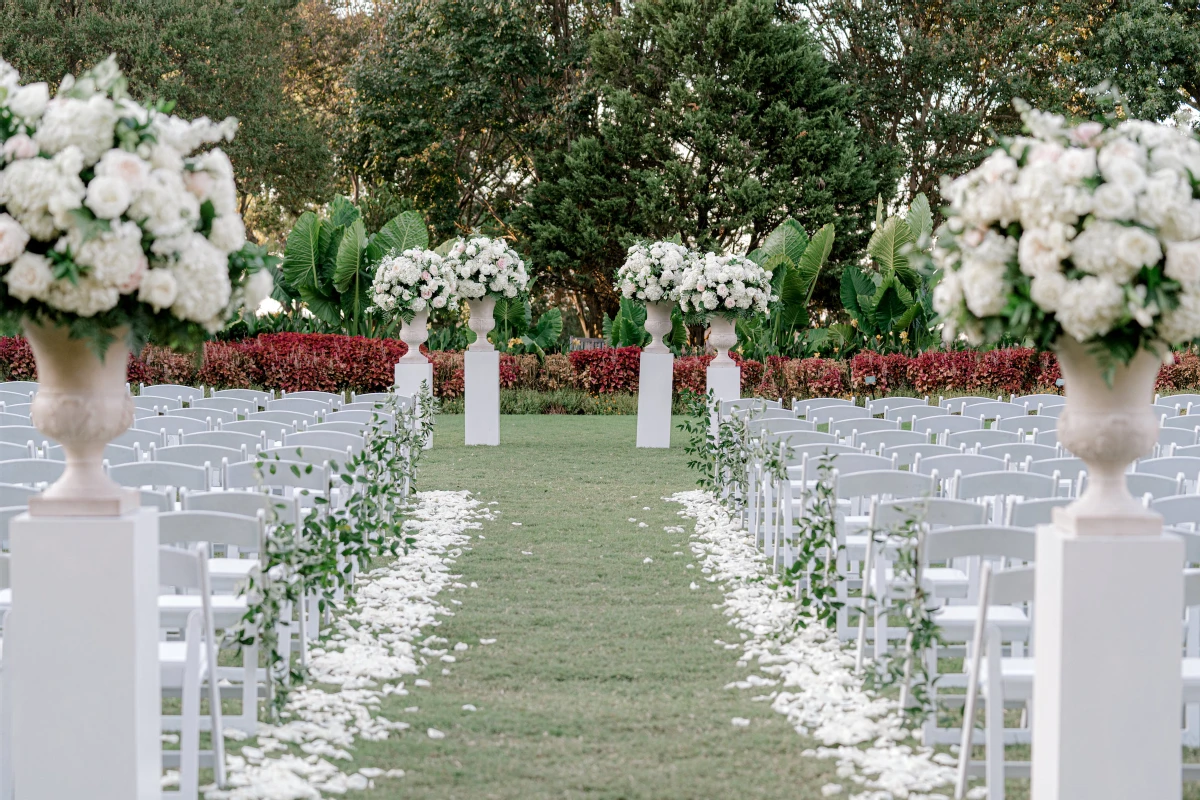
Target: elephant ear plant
323,552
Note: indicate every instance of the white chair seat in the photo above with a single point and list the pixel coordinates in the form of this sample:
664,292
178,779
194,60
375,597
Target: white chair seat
174,608
231,569
1017,675
957,622
172,663
945,582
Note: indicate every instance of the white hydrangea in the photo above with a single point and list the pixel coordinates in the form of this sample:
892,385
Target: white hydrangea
651,273
158,289
71,122
1104,213
202,274
730,285
13,239
29,277
413,281
486,267
1182,324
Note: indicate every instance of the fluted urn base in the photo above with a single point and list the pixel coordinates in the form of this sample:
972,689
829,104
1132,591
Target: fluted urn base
414,334
482,321
82,402
1108,427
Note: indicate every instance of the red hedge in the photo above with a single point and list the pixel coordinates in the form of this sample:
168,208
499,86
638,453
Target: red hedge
295,361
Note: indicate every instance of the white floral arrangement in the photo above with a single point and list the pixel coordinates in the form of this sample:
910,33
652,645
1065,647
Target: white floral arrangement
1090,231
729,286
651,272
112,217
411,282
487,268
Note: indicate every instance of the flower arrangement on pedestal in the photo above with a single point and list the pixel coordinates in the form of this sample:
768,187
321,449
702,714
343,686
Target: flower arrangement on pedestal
408,285
1090,231
1084,239
725,288
651,272
486,269
114,228
111,219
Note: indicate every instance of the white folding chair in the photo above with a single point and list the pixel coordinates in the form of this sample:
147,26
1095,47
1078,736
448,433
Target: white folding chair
954,405
993,409
171,427
24,434
295,419
847,428
1032,401
907,455
13,494
875,441
803,407
1171,440
260,399
1028,423
184,666
151,402
23,387
303,405
15,398
829,414
31,471
10,451
1031,513
1021,452
208,456
1170,466
234,405
332,440
371,397
113,453
330,399
172,390
976,439
251,443
141,438
944,425
18,409
356,428
908,413
161,475
885,404
209,415
271,430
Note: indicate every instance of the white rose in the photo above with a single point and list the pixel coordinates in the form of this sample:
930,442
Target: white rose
1123,171
13,239
1046,290
1138,247
1183,263
29,277
1043,249
29,102
1113,201
108,197
228,233
1076,165
125,167
158,289
20,147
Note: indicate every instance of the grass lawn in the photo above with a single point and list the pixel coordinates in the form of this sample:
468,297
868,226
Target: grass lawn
604,681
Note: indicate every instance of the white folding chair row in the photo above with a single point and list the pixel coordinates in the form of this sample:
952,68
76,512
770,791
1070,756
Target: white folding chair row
852,426
113,453
259,399
910,412
15,398
726,408
209,415
252,443
268,429
803,407
954,405
1032,401
1183,399
942,425
184,394
173,427
233,405
885,404
994,409
157,404
755,427
18,409
1171,466
330,399
295,419
301,405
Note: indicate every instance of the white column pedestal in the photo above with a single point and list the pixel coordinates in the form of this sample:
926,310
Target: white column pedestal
82,651
482,389
1107,642
655,377
409,378
725,381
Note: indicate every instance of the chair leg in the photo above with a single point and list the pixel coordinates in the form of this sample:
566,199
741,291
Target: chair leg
189,729
994,733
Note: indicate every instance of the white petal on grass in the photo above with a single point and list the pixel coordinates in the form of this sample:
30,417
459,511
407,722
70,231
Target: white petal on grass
740,722
694,586
830,789
487,641
469,707
647,560
643,525
516,524
434,733
461,646
818,690
374,645
526,553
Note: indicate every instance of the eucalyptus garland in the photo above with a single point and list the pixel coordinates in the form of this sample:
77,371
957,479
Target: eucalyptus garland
815,571
321,554
915,607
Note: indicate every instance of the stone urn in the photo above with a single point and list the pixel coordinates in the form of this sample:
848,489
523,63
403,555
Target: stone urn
1109,427
482,321
722,335
83,403
414,334
658,325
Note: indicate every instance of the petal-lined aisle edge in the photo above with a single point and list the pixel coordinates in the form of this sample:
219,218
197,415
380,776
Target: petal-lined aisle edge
373,649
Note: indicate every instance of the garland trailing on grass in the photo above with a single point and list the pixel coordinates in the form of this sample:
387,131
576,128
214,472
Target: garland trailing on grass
815,571
323,552
915,607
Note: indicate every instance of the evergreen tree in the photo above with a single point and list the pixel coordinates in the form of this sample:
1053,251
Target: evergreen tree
713,120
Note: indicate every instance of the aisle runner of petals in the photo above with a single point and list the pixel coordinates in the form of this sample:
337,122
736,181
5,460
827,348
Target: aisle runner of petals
818,690
374,647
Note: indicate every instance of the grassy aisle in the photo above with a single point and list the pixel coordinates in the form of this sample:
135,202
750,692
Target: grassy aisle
604,681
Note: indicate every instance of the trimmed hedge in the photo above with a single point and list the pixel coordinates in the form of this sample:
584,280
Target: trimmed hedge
330,362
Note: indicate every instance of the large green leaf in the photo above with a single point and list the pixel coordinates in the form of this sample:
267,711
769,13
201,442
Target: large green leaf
405,232
302,252
679,334
443,249
887,243
789,239
545,332
348,266
511,313
323,306
920,218
801,280
342,212
856,284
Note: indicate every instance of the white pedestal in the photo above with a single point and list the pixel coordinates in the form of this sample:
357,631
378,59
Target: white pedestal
1107,698
409,378
482,389
725,381
82,647
655,378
